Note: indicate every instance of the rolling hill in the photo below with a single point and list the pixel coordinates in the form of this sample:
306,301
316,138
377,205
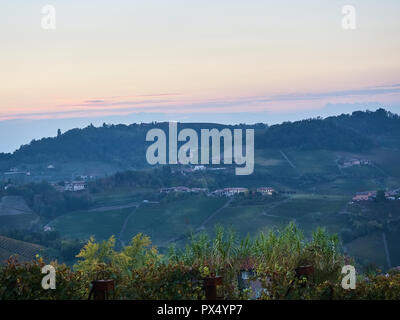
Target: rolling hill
111,148
16,214
302,157
24,251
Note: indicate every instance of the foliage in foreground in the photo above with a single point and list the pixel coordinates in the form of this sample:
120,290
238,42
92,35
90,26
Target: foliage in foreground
140,272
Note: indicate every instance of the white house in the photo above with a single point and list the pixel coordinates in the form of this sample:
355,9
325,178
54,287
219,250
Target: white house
229,192
266,191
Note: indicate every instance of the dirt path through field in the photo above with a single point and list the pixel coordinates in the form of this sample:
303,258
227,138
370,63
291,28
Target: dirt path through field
109,208
288,161
388,261
274,206
202,225
121,233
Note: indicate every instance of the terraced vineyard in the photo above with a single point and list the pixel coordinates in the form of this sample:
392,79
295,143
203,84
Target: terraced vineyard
24,251
15,214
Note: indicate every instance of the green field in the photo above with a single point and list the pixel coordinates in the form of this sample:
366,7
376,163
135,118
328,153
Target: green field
271,162
246,220
172,219
316,161
162,221
20,221
15,214
322,191
83,224
393,239
307,211
120,197
368,250
387,160
169,219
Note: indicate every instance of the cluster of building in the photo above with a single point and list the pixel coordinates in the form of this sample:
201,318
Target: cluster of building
71,186
354,162
199,168
268,191
227,192
183,190
371,195
364,196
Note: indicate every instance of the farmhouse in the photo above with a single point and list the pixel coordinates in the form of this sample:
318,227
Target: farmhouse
355,162
371,195
393,193
266,191
174,189
364,196
229,192
198,190
75,185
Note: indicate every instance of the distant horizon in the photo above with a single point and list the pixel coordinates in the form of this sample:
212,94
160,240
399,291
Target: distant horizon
45,128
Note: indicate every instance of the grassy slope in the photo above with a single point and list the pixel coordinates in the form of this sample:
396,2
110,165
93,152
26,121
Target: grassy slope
15,214
309,209
393,239
368,249
162,221
23,250
83,224
20,221
167,220
316,161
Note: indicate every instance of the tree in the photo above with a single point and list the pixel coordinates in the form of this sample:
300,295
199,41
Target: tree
380,196
58,132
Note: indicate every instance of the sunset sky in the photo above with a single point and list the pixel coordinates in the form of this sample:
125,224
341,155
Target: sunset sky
116,58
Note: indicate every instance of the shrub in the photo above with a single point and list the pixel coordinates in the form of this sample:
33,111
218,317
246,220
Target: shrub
22,281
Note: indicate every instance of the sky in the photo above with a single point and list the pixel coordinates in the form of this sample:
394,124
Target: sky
220,61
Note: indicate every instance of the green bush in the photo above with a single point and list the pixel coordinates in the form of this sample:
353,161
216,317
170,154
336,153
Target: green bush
22,281
140,272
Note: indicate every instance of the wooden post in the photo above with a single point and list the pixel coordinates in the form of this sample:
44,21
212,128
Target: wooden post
306,271
101,288
210,287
